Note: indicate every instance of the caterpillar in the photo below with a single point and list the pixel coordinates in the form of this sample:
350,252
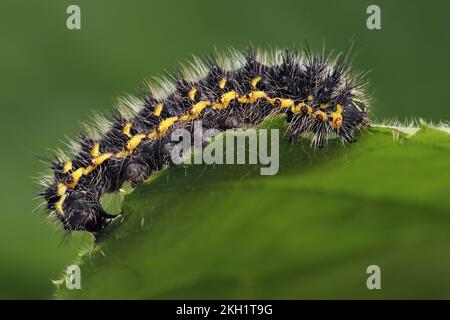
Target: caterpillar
318,94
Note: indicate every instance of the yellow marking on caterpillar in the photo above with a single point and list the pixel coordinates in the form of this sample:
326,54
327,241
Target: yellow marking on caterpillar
337,120
255,81
158,109
61,189
127,129
228,97
309,109
76,175
254,96
198,107
324,105
134,142
320,114
122,154
59,204
222,83
166,124
192,93
193,113
195,110
67,166
89,169
284,103
225,100
61,192
100,159
150,136
163,127
95,150
298,108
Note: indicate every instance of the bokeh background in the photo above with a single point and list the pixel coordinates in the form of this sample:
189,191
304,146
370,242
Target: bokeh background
51,79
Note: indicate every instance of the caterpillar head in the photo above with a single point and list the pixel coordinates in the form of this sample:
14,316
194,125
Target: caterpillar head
80,210
355,111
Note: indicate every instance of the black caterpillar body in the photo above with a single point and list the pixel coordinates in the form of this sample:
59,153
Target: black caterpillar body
319,95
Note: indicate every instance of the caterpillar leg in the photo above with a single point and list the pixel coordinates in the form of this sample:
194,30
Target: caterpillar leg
137,172
230,122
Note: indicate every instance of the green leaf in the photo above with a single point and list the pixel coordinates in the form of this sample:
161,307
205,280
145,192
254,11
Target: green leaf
311,231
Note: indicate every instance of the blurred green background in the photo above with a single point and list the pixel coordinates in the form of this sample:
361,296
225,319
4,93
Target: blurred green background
52,78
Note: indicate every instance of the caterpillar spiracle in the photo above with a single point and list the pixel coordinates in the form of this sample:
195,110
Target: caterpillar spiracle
318,94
